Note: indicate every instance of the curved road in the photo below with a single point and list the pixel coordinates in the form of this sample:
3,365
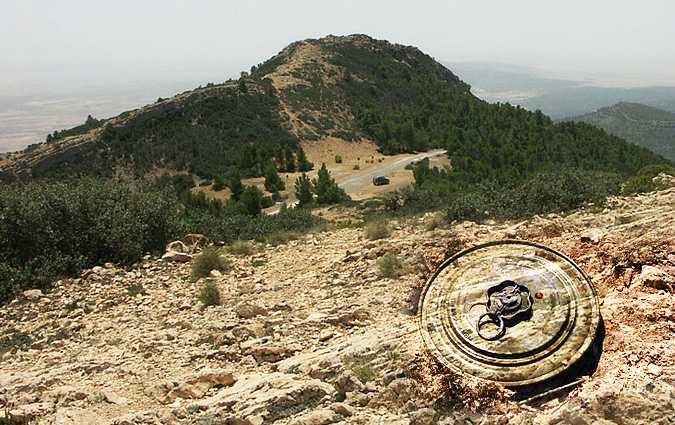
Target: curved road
356,181
361,180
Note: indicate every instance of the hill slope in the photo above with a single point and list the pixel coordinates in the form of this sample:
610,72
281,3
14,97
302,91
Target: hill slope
640,124
349,87
342,349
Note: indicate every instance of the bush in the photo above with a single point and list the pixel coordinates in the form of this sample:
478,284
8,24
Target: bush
389,266
50,229
209,259
643,181
242,248
377,230
338,159
209,294
218,183
281,237
135,289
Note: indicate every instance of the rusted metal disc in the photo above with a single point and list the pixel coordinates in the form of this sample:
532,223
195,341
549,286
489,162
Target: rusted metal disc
512,312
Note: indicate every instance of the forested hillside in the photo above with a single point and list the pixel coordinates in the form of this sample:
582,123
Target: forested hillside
506,161
643,125
349,87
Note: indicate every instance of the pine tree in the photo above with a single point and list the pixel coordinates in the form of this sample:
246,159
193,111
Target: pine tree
326,189
289,161
234,183
273,182
303,164
303,190
250,201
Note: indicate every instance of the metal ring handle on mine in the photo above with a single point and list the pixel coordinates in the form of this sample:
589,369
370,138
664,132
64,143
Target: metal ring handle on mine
494,318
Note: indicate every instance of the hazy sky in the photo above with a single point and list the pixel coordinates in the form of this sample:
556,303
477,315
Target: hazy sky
73,43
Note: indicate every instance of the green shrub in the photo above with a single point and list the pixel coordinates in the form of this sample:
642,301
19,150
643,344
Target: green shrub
135,289
209,294
356,167
642,182
209,259
218,183
49,229
377,230
359,364
389,266
338,159
16,340
242,248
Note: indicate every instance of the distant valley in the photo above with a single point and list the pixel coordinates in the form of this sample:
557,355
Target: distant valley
558,98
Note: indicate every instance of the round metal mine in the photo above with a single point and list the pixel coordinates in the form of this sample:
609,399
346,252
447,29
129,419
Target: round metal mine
512,312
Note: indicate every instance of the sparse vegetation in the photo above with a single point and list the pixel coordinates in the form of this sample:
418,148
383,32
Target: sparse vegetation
209,259
338,159
377,230
643,181
135,290
389,266
15,340
209,294
281,237
242,248
359,364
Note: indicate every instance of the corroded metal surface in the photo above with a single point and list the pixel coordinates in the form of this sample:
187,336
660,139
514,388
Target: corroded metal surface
520,344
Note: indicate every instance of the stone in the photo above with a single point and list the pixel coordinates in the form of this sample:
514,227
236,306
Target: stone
425,416
325,335
592,236
28,412
75,416
317,417
177,246
113,398
272,353
656,278
653,369
342,409
32,294
347,382
177,257
269,396
247,310
196,240
196,386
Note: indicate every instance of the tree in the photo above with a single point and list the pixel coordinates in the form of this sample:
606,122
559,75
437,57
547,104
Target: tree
218,183
290,161
303,190
326,189
242,85
273,182
303,164
234,183
250,201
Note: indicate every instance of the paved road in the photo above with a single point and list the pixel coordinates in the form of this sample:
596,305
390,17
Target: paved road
362,180
358,181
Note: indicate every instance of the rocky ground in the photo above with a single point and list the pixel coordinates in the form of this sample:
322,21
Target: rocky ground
309,333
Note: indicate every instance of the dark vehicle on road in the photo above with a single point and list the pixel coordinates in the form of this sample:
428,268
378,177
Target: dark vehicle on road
380,180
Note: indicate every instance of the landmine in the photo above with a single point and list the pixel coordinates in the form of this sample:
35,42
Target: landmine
511,312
